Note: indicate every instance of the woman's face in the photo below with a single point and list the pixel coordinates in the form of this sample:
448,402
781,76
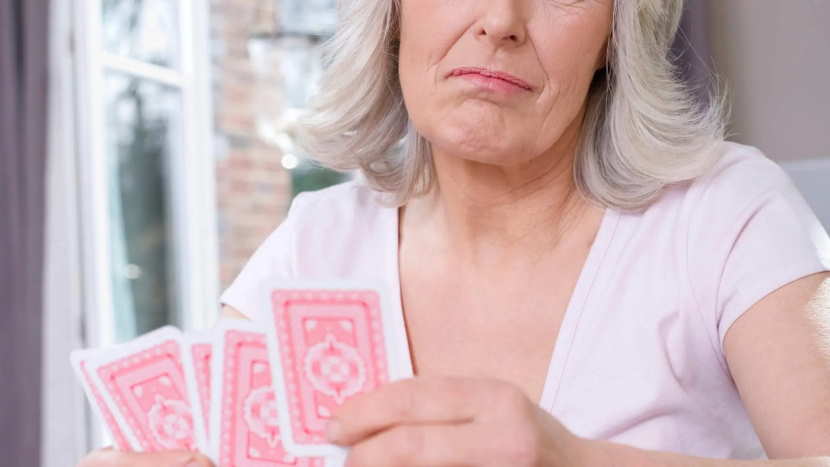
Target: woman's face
499,81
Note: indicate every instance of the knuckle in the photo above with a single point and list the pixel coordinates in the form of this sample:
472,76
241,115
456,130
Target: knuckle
515,414
113,458
405,444
407,405
357,457
396,447
355,405
366,455
509,398
456,389
524,447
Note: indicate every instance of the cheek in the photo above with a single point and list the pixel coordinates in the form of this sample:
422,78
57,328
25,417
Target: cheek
429,30
416,82
417,67
424,39
568,60
570,47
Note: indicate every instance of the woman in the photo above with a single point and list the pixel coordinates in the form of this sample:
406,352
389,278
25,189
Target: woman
572,240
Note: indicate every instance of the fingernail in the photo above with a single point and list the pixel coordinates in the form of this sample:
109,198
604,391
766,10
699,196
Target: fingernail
333,430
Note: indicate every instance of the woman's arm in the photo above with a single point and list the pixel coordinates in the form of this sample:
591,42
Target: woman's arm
484,422
607,454
778,352
779,355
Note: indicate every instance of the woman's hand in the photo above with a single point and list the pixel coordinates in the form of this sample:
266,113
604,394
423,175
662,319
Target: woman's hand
109,457
452,421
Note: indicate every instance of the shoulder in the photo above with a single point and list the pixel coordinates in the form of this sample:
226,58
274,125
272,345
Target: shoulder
341,231
749,230
353,193
743,186
740,177
742,173
333,232
344,203
744,213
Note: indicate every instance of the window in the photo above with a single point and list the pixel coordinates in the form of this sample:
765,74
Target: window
145,167
164,196
266,64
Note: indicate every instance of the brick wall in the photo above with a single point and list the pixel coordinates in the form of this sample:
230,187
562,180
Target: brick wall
253,189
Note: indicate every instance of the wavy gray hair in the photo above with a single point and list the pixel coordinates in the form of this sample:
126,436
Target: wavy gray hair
643,127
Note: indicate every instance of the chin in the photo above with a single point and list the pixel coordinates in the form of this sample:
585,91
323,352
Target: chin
483,143
484,151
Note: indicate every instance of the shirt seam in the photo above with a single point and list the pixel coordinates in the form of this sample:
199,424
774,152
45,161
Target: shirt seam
747,299
712,334
578,319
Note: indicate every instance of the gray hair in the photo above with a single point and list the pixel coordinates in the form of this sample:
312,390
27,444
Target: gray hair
643,128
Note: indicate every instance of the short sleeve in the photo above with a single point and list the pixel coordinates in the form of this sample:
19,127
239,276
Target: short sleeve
749,239
272,260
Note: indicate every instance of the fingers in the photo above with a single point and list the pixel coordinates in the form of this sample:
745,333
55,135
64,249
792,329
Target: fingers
109,457
420,445
412,401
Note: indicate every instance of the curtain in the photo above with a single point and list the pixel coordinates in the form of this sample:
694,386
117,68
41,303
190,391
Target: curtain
23,124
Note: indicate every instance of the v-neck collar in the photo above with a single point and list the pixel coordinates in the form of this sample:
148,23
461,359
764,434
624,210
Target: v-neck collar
576,307
573,312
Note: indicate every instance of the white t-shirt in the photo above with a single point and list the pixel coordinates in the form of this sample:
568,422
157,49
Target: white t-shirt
639,358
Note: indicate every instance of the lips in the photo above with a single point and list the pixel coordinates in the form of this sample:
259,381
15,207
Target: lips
483,72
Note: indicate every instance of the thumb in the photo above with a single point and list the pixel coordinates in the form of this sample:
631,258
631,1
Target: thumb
114,458
197,459
170,459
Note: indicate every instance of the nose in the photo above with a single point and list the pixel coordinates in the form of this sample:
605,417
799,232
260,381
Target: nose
502,23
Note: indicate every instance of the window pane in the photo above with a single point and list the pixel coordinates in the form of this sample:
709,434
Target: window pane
142,136
309,16
300,66
265,66
146,30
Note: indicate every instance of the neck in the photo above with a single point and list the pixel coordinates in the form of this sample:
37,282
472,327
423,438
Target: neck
492,214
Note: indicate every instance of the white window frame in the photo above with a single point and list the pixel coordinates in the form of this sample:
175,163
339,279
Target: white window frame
78,146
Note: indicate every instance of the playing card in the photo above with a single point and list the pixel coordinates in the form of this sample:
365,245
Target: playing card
327,344
244,424
143,384
79,363
199,349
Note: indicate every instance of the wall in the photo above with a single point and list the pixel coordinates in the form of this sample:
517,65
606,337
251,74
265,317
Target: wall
775,58
253,189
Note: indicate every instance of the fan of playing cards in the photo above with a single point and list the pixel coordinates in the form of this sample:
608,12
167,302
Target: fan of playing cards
250,393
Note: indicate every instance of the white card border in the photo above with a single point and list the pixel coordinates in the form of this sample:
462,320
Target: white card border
199,425
113,353
397,353
78,356
217,362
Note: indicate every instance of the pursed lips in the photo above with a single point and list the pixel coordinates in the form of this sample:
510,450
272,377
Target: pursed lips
507,77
